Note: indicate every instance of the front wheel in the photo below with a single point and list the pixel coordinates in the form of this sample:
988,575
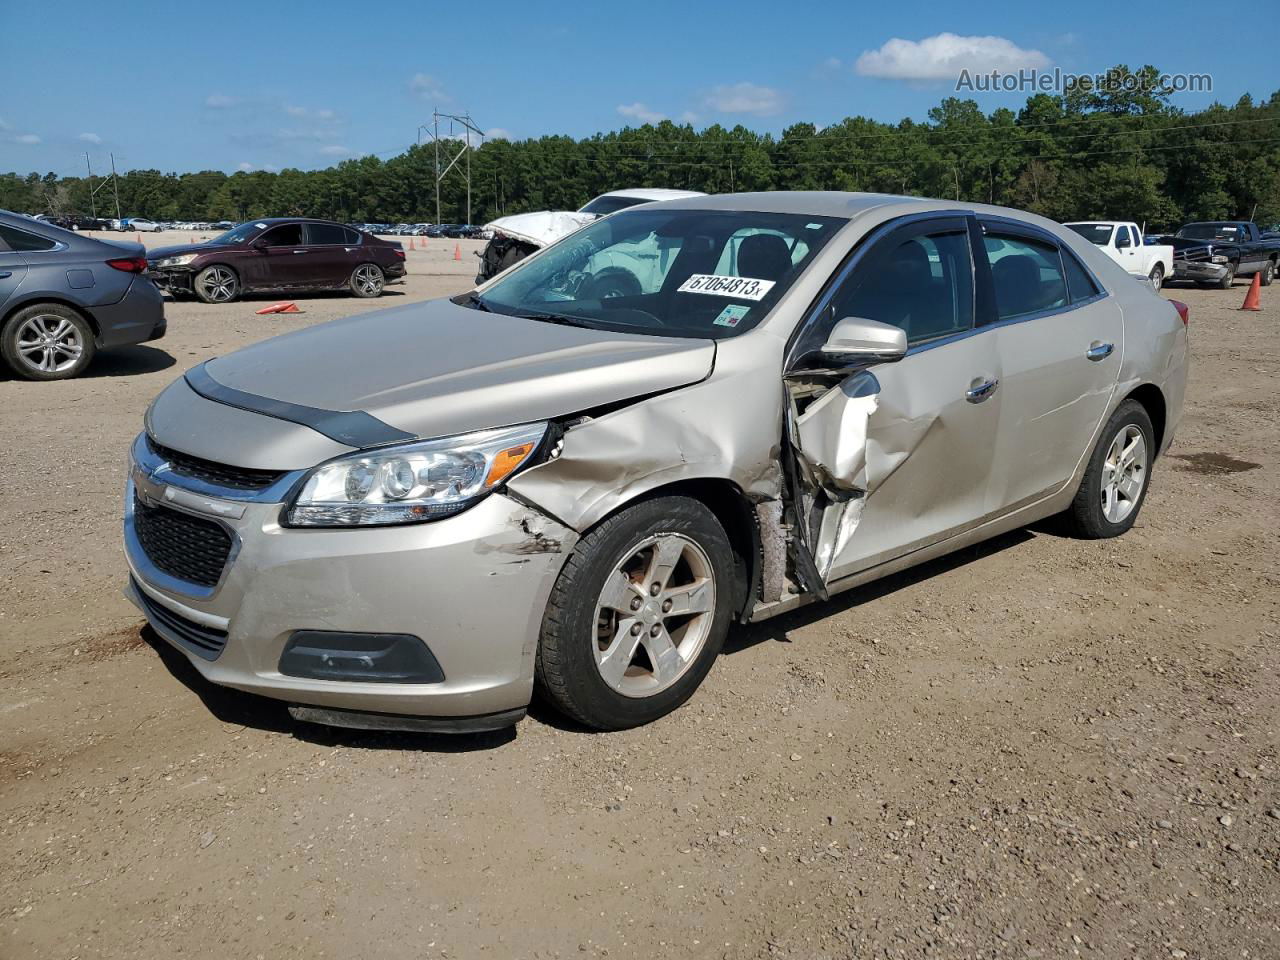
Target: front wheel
1115,482
217,284
638,614
367,280
1157,277
1230,278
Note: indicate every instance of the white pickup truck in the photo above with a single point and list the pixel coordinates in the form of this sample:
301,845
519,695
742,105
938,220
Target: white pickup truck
1123,242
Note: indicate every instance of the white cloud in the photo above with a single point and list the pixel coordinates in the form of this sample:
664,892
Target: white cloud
335,150
426,87
246,167
323,114
689,117
90,138
219,101
28,138
833,63
943,56
745,98
498,133
638,111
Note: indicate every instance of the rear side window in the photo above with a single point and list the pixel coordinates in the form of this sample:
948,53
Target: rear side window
353,236
1079,284
326,233
16,239
924,285
1026,274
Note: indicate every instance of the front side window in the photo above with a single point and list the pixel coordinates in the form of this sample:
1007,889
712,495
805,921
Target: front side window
286,235
680,273
1026,274
924,285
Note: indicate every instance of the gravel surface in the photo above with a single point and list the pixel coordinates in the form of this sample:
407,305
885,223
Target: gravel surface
1038,747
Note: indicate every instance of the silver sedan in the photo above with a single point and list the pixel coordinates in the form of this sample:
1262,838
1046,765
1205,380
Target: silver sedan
686,415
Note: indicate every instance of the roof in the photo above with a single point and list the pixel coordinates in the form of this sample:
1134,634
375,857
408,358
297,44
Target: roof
653,193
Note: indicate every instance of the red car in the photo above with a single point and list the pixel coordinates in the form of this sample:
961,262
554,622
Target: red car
278,254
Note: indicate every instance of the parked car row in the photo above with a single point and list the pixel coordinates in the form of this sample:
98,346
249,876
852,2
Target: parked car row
1208,253
460,231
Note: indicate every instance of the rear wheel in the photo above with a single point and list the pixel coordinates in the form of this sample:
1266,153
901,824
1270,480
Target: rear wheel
1268,273
1115,482
47,341
1157,277
638,614
367,280
217,284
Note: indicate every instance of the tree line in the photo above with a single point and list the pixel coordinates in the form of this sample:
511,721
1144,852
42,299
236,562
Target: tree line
1122,153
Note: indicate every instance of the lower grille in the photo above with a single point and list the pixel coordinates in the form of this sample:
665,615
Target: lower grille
204,642
189,548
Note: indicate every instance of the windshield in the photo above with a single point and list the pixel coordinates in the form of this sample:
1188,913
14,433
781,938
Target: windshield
1099,233
1210,231
677,273
603,206
239,234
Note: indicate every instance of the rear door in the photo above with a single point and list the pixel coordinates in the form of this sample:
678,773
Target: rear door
13,268
1060,339
332,257
899,455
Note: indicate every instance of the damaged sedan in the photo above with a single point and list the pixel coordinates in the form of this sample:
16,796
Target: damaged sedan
541,486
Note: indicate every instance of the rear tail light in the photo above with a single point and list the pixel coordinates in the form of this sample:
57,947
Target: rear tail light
1183,311
400,254
129,264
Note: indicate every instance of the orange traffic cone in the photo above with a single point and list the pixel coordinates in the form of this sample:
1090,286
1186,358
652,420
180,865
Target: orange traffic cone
137,237
194,240
411,243
1253,299
289,308
457,251
282,307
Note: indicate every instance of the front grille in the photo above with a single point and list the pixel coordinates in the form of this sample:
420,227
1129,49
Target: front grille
219,474
204,642
183,546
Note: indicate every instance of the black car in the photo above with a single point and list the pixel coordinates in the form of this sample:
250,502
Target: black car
63,296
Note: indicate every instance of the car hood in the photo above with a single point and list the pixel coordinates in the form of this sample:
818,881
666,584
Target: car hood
542,228
159,253
430,370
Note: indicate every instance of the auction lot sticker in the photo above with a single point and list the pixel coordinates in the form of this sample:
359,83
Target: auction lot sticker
744,287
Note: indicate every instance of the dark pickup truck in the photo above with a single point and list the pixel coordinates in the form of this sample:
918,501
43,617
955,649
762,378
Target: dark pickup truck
1214,253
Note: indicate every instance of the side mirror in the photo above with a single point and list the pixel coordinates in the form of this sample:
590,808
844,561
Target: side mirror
855,339
1122,241
259,244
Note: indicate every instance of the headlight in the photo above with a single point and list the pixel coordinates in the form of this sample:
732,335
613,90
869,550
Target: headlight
1219,258
181,261
413,482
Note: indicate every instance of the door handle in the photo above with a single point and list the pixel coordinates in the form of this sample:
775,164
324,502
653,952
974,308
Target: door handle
980,391
299,251
1099,351
5,273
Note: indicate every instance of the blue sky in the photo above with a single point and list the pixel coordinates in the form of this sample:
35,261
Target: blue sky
265,85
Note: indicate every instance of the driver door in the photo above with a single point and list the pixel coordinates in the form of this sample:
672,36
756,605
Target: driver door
898,455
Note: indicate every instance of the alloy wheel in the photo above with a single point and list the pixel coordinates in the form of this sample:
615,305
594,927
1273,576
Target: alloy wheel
369,280
219,284
49,343
1124,473
654,615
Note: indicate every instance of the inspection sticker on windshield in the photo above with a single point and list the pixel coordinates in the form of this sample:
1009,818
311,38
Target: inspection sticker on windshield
744,287
731,314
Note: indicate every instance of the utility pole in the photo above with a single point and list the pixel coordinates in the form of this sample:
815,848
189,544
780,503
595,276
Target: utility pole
115,186
93,203
435,136
469,128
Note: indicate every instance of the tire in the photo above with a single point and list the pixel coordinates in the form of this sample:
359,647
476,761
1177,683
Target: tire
1089,515
573,668
367,281
615,282
47,341
1157,277
1226,282
217,284
1268,273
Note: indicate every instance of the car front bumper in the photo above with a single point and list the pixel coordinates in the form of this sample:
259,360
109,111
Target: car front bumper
1199,271
173,280
472,587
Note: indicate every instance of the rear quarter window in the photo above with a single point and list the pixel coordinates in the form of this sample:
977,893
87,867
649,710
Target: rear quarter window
16,239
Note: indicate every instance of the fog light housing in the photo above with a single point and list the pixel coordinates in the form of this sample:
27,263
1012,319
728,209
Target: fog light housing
359,657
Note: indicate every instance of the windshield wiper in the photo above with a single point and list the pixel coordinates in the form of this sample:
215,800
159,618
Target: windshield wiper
560,318
477,301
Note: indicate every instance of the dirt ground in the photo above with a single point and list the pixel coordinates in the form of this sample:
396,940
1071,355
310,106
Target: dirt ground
1036,748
